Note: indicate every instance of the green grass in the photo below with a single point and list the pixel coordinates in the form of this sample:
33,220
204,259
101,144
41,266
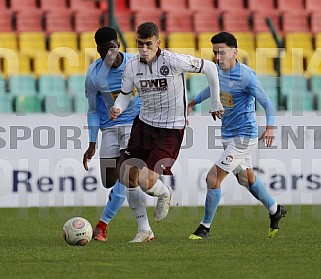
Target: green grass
32,246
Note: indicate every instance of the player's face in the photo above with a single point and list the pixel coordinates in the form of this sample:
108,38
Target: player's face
108,52
147,47
224,56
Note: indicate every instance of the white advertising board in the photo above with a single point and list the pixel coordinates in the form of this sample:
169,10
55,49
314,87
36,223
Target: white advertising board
41,162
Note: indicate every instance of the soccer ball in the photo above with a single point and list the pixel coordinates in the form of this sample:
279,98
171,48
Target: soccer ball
77,231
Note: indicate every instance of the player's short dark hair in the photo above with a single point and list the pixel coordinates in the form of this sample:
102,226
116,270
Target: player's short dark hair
224,38
105,35
147,30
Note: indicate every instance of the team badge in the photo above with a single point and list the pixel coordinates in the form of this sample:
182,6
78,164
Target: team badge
228,160
164,70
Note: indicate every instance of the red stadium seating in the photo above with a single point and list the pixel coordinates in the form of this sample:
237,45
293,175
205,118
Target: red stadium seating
316,22
3,4
124,19
17,5
152,15
53,5
196,5
173,5
119,5
313,5
230,5
178,21
142,5
28,20
235,21
295,21
5,21
58,20
259,24
87,20
206,21
288,5
82,5
259,5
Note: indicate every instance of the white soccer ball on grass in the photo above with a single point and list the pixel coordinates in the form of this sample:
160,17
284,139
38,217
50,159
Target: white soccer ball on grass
77,231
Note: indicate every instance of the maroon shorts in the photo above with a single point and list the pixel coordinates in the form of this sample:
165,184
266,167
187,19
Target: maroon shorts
155,148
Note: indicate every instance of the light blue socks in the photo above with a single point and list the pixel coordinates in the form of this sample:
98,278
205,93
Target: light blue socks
115,201
258,190
213,197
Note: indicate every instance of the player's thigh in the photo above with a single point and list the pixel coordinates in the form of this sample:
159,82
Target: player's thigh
166,147
113,139
109,171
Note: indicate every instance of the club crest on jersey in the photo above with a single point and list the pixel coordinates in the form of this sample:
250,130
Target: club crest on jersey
228,160
164,70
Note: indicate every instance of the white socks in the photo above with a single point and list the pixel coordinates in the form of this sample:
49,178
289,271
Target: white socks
158,189
137,201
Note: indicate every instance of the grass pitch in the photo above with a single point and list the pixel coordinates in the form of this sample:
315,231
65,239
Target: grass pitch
32,245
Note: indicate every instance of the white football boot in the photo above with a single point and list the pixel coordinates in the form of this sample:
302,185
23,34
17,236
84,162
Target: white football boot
162,206
143,236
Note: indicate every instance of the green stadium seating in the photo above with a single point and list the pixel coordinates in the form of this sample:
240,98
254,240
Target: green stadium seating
316,89
294,87
76,84
316,84
6,103
51,85
58,105
2,85
80,104
197,83
27,104
22,85
76,87
269,83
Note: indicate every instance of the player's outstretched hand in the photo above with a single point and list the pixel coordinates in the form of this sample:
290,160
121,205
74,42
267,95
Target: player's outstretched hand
268,136
114,113
90,152
217,114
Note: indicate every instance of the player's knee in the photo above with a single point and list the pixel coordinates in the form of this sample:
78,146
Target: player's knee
211,181
146,184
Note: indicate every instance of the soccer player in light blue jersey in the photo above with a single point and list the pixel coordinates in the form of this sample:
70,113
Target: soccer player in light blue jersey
239,88
103,83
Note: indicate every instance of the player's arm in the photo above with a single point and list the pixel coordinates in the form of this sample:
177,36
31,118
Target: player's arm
200,97
257,90
210,71
123,99
121,103
93,120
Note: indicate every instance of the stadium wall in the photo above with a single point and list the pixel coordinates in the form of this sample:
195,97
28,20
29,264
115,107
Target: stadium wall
41,162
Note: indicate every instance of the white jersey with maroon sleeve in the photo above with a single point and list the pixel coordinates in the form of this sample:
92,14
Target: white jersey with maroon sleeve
161,85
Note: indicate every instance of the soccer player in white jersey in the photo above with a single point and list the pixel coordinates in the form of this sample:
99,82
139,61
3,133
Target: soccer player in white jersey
103,82
157,133
239,89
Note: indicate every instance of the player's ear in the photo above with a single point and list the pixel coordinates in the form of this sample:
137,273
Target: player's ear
118,44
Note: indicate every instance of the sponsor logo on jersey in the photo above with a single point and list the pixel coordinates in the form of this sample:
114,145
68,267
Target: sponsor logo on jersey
153,85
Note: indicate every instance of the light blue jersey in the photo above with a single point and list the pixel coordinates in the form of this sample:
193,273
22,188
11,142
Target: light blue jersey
239,88
102,88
